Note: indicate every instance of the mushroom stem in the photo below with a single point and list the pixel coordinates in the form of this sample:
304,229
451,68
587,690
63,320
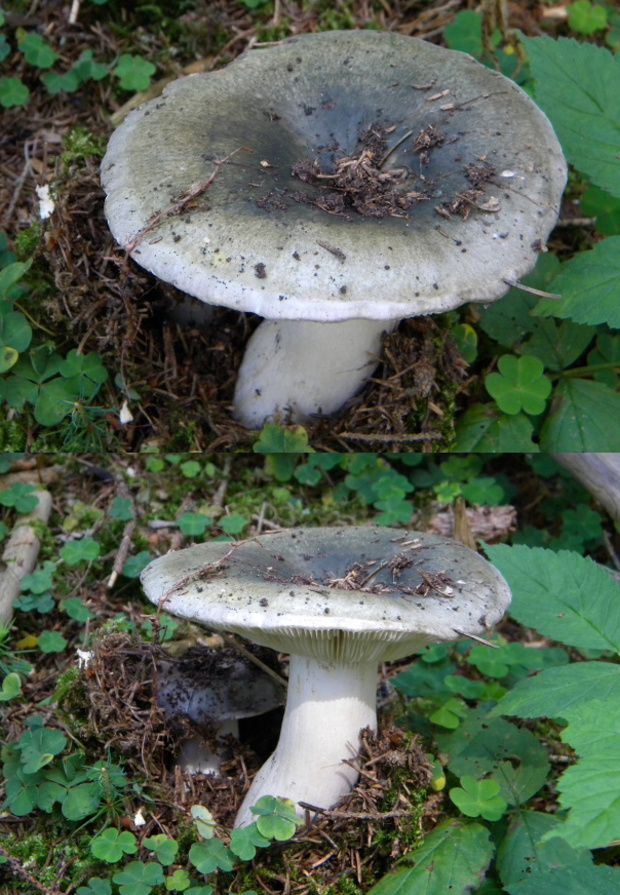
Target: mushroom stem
196,757
327,707
298,368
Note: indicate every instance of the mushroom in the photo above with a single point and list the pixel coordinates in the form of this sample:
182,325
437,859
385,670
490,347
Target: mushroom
217,688
339,600
334,183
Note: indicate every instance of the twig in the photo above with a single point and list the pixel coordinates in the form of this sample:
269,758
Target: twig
355,815
17,868
430,436
233,643
477,639
122,553
516,285
21,552
181,203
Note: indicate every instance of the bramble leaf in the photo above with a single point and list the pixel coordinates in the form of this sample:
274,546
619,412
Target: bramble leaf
588,284
584,416
576,86
563,595
453,858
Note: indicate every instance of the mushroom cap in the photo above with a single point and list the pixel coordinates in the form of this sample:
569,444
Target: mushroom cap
336,594
217,684
251,241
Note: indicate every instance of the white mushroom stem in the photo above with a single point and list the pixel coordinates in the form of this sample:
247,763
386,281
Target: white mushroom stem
197,758
326,708
297,368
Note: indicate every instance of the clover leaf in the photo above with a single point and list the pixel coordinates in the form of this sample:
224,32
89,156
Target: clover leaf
163,847
13,92
85,550
134,73
96,886
211,855
193,523
245,840
205,822
37,51
277,818
19,496
479,798
38,747
519,385
110,845
138,878
51,642
11,687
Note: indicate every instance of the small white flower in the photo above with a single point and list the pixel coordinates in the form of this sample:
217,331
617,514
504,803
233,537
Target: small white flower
84,657
125,414
139,820
46,203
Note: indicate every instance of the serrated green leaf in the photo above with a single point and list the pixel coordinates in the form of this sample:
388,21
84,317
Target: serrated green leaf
522,855
584,416
554,691
589,284
605,208
482,428
595,880
589,789
607,351
576,85
513,756
559,344
453,858
510,319
563,595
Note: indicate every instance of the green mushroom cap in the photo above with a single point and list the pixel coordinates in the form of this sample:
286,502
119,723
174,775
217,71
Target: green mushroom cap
336,594
248,156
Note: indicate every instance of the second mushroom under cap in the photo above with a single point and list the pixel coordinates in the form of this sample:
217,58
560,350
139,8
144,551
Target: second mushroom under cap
334,184
339,600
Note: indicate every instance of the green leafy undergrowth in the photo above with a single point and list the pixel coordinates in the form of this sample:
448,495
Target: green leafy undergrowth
498,771
557,389
33,375
38,58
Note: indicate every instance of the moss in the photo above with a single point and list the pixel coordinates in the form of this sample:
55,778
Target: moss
80,144
28,242
42,853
